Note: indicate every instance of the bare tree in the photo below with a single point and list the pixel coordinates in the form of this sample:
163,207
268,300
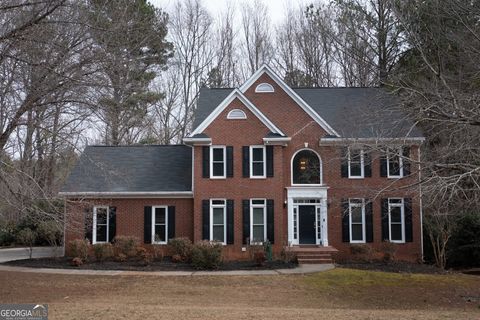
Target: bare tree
257,43
191,33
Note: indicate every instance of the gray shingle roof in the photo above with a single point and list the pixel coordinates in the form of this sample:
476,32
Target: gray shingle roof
352,112
151,168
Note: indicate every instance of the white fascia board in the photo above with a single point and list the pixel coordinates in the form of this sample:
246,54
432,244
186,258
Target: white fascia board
416,140
198,141
236,94
309,110
153,194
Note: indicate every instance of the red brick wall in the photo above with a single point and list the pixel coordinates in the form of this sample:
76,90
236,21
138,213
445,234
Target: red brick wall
130,216
294,122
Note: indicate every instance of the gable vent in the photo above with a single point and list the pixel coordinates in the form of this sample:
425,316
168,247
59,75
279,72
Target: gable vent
264,87
236,114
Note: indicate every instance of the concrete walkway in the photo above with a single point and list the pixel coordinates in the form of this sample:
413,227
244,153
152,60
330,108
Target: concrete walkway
302,269
10,254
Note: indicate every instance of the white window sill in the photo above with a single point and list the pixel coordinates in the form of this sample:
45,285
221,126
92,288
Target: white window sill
218,178
397,241
355,178
357,242
258,177
159,243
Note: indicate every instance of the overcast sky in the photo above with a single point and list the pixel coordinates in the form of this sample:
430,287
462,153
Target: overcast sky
276,8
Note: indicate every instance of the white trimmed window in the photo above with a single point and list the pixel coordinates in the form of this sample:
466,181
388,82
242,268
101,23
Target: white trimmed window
356,208
236,114
159,224
257,162
394,163
258,220
218,162
100,225
218,222
355,163
264,87
396,218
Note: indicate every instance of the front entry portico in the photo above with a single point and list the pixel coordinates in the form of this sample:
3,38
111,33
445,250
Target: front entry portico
307,215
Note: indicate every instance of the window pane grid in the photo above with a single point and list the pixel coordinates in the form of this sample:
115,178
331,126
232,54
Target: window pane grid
101,224
395,210
357,220
217,218
218,161
258,214
257,155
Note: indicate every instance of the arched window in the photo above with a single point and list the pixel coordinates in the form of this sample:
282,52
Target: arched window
264,87
236,114
306,168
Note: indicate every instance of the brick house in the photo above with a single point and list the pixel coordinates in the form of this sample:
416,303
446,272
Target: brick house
316,168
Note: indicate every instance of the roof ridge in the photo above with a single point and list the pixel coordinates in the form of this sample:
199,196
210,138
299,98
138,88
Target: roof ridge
138,145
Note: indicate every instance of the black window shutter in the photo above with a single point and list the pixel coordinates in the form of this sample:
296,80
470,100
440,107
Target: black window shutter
206,219
206,161
171,222
385,227
383,164
369,221
246,220
270,221
269,161
246,161
230,222
147,225
344,162
229,161
88,220
112,223
407,202
367,162
345,221
406,161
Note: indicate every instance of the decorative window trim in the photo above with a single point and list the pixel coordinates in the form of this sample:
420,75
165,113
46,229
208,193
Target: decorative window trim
362,164
224,176
400,162
357,203
224,207
94,224
264,207
264,88
320,169
264,153
400,203
236,114
153,224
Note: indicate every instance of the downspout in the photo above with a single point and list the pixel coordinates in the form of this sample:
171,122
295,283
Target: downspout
421,202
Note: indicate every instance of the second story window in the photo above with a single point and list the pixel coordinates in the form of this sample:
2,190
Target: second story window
394,163
257,161
355,163
217,162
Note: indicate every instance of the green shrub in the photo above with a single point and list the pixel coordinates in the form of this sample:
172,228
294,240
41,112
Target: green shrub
207,255
126,245
79,249
103,251
181,247
50,232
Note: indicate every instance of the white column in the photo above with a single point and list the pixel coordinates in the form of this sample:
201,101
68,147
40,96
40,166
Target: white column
290,220
323,211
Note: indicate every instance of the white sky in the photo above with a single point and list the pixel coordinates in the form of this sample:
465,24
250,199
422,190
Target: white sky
276,8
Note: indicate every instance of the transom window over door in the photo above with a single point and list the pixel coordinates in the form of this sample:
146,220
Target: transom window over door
257,162
100,225
217,163
306,168
218,220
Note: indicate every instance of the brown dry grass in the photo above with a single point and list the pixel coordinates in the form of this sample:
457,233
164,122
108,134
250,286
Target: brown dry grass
340,293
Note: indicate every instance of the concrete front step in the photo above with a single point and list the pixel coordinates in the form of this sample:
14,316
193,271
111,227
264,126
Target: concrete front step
314,261
314,256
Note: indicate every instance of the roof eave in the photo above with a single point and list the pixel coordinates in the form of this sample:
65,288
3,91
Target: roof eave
374,140
127,194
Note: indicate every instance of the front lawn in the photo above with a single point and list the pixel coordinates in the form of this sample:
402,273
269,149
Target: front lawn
340,293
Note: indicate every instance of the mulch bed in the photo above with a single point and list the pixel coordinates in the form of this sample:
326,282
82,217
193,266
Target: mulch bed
397,267
165,265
